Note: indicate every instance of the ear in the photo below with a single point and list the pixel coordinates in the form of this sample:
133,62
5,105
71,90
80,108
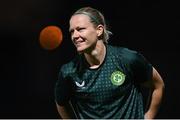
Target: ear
100,29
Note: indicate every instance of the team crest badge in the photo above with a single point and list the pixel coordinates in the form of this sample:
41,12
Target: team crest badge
117,78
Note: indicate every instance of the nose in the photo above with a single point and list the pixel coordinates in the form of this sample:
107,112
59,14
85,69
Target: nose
75,35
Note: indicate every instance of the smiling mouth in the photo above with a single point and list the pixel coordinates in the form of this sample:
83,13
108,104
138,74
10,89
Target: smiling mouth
79,42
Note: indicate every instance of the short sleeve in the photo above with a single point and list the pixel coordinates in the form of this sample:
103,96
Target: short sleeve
62,89
142,69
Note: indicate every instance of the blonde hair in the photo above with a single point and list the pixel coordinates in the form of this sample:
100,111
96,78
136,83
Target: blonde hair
96,18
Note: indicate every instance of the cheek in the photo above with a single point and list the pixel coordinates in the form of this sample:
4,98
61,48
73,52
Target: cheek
93,38
92,35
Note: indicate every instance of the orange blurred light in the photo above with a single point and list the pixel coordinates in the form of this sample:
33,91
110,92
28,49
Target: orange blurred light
50,37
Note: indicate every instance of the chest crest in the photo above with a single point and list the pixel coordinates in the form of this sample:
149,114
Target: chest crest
117,78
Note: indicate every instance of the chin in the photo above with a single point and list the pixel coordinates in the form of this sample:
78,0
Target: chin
80,50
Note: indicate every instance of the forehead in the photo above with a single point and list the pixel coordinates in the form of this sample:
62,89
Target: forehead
79,19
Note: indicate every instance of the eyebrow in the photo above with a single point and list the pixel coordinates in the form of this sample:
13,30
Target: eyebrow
70,30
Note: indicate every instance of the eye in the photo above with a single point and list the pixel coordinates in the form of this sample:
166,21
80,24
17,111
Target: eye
70,31
80,29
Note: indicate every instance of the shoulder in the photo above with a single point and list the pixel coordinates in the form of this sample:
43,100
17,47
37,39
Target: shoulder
123,52
71,66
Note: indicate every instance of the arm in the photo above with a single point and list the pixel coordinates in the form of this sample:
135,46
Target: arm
157,89
65,111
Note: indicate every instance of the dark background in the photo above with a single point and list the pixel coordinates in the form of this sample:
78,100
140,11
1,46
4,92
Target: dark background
29,72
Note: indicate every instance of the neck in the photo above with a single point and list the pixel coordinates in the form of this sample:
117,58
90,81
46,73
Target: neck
96,56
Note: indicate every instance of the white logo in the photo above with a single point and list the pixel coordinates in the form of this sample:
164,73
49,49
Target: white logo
80,85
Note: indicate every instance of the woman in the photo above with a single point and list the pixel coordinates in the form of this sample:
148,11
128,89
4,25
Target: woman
104,81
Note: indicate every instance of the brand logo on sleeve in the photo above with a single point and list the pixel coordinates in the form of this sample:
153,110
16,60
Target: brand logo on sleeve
117,78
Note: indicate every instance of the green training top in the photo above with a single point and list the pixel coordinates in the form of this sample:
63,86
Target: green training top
110,91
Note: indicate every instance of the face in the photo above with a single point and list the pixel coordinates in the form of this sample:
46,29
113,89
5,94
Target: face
83,33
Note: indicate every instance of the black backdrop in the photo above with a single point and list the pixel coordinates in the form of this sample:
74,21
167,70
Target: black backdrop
28,72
